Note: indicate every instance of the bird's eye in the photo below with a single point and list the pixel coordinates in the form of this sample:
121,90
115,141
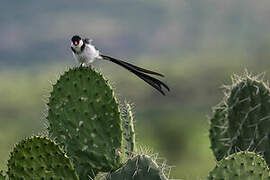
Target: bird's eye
76,43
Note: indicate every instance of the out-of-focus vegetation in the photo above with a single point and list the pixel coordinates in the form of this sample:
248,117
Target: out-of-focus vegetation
176,125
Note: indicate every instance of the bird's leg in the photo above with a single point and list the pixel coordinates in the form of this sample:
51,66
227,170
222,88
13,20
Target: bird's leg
90,66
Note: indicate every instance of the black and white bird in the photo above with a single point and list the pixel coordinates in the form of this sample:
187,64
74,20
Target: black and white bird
85,53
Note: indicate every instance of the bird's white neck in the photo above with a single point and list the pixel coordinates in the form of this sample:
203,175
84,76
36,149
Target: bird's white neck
78,47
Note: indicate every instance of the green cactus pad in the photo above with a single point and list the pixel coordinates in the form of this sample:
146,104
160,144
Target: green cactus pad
128,129
240,166
84,117
140,167
242,120
218,131
39,158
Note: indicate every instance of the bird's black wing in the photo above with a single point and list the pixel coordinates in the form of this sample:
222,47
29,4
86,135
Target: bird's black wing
155,83
87,41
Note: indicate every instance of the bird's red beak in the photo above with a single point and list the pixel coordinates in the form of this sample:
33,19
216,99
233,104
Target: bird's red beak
76,43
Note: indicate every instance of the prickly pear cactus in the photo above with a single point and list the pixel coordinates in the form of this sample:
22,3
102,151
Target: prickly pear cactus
84,117
141,167
39,158
242,120
128,130
239,166
218,131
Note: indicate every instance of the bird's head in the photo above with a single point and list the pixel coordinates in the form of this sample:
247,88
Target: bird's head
76,42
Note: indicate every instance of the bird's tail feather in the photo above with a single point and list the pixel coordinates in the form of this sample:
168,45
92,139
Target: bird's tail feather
140,72
131,65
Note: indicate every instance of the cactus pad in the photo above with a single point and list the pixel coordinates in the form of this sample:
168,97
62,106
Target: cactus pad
128,130
140,167
218,131
242,120
239,166
84,117
39,158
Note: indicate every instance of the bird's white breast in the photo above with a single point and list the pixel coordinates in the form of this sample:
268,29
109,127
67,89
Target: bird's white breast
91,51
88,55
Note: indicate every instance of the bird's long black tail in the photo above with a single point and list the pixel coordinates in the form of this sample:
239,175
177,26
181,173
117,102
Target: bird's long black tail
141,73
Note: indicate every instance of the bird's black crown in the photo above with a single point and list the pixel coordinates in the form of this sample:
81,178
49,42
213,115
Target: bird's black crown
76,38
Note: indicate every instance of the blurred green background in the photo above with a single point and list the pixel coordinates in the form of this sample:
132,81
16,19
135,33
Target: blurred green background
198,45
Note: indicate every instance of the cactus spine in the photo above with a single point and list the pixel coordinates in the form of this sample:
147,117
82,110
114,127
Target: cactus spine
84,116
128,130
239,166
242,120
39,158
